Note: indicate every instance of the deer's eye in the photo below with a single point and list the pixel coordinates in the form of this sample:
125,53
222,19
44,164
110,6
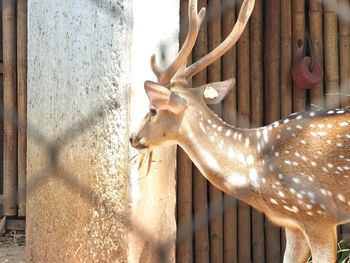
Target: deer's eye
153,111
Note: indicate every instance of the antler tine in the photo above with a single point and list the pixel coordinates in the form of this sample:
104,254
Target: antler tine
156,70
230,41
195,21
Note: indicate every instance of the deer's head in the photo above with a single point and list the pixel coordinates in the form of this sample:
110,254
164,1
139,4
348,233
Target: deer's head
171,100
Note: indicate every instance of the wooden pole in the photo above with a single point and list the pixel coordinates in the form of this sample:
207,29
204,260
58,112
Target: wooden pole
316,33
10,134
272,103
229,115
22,103
200,195
257,109
214,75
298,36
331,55
1,112
344,56
184,248
243,103
285,73
286,58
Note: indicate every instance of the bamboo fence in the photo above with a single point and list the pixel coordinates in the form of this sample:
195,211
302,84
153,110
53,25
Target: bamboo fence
299,45
184,247
331,51
272,102
316,34
344,55
200,194
10,131
225,229
13,70
22,103
344,70
257,118
215,195
243,120
230,238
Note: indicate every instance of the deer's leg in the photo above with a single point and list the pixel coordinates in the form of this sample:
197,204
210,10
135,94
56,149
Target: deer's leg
297,248
323,243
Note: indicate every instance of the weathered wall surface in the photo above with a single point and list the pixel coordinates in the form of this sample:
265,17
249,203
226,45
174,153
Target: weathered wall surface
78,82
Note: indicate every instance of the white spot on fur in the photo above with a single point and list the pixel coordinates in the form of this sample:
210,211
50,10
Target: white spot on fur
341,197
250,159
253,176
241,158
293,209
281,194
237,180
297,180
273,201
230,153
202,127
210,160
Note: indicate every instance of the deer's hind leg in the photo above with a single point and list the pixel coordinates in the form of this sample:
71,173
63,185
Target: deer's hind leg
297,247
322,239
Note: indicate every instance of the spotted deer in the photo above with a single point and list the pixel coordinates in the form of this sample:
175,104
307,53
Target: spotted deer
295,170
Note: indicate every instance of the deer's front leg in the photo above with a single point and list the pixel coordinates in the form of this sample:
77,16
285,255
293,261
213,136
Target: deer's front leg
323,243
297,248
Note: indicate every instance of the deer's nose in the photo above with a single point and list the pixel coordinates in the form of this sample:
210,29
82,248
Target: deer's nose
133,139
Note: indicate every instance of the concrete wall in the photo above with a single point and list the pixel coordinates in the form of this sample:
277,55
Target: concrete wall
83,57
153,229
78,87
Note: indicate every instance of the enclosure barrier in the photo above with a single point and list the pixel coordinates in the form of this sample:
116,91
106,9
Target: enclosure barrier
14,70
211,225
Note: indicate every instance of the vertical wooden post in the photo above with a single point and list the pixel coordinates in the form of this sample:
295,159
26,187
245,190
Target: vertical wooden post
344,56
214,75
10,134
257,111
229,114
331,55
243,103
298,33
344,63
22,102
272,103
286,58
286,82
316,33
184,248
201,239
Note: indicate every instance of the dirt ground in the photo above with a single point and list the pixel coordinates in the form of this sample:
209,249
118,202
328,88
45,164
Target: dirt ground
12,247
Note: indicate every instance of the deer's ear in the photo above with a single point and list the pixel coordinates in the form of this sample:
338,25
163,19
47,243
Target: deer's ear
215,92
163,98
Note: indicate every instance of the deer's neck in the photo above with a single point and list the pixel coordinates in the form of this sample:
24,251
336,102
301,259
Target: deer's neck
227,156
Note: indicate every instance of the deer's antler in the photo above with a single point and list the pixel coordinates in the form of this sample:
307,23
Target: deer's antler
243,17
195,21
